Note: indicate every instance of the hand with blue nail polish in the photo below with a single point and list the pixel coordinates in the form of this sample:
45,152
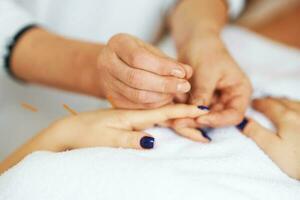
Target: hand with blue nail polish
283,147
102,128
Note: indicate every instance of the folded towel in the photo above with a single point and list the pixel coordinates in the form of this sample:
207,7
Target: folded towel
231,167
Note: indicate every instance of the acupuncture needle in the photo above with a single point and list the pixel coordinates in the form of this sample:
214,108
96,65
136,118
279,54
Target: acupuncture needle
70,110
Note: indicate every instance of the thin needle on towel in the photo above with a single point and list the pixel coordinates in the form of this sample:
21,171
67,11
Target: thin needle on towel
69,109
29,107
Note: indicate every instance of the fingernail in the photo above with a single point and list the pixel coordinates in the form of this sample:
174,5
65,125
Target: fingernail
243,124
147,142
203,107
205,133
183,87
178,73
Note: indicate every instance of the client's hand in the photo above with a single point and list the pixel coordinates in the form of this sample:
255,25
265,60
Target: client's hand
117,128
108,128
283,147
136,75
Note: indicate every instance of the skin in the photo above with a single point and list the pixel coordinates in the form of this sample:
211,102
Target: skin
102,128
123,128
133,74
126,71
281,146
217,81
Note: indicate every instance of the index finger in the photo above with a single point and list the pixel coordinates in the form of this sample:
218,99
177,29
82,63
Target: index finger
141,119
132,51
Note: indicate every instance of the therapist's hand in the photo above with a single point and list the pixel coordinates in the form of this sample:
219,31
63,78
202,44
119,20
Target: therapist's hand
217,83
134,74
127,71
283,145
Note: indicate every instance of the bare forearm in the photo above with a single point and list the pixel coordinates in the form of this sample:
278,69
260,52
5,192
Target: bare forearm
45,58
193,18
44,141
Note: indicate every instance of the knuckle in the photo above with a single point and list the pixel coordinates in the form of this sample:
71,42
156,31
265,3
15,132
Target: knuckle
141,96
127,141
137,57
118,38
106,58
133,78
290,115
168,85
122,141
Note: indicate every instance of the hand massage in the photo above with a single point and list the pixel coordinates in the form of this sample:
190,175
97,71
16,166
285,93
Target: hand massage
140,99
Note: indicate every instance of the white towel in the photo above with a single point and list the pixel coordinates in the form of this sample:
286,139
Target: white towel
231,167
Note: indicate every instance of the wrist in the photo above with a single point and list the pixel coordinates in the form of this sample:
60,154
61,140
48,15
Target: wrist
86,77
60,135
202,44
49,59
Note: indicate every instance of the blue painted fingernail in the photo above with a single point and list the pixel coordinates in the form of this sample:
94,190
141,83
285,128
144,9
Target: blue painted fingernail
204,132
203,107
147,142
243,124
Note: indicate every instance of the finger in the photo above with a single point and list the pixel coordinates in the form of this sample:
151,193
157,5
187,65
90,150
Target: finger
183,123
271,108
145,118
293,105
203,88
188,69
235,104
217,107
192,134
165,124
143,80
132,51
220,118
264,138
181,98
141,96
118,100
133,139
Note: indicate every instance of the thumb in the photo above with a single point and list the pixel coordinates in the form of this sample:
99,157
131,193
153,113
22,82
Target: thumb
133,139
264,138
203,87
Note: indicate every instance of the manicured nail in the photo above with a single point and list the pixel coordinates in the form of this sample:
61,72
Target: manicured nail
205,133
243,124
178,73
183,87
203,107
147,142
